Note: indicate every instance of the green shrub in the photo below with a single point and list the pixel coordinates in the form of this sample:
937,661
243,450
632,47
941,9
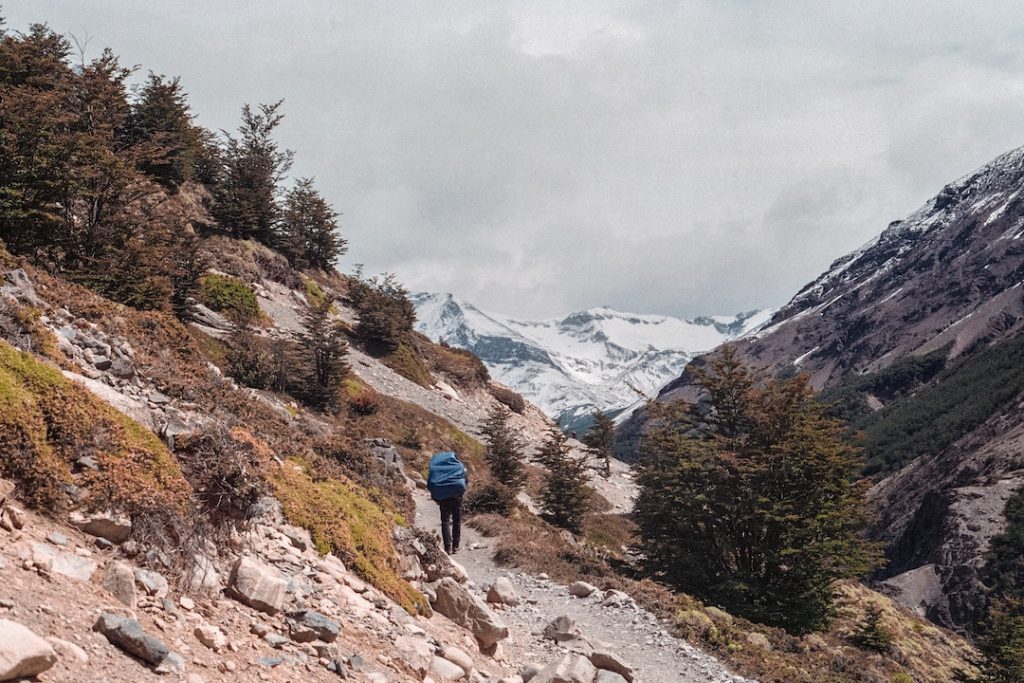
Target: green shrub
227,294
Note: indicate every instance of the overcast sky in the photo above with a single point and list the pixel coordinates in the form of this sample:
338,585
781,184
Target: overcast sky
541,157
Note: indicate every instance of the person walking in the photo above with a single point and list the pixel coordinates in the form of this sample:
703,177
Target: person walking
447,481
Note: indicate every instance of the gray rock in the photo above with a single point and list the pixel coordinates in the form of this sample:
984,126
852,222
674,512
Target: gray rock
152,583
119,580
308,625
562,629
572,668
528,671
465,609
257,585
582,589
276,640
102,362
54,561
57,538
416,653
23,654
127,634
122,368
503,592
17,284
113,527
605,676
443,670
609,661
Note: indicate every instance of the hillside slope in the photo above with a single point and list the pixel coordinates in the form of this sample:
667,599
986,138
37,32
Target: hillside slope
918,334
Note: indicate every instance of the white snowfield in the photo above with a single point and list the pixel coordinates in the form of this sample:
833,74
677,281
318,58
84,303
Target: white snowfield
598,358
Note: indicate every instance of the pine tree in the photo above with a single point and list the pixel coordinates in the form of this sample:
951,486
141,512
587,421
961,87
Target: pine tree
386,315
309,228
871,634
161,116
564,500
749,500
504,449
1002,642
601,440
324,352
247,195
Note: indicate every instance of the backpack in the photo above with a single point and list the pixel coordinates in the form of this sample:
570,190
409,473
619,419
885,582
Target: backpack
447,476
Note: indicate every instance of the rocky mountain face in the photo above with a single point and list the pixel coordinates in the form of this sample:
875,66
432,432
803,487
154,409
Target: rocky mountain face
599,358
944,283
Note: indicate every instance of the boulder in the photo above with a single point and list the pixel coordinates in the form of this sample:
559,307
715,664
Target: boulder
257,585
109,525
308,625
127,634
53,561
605,676
614,598
459,658
465,609
16,283
152,583
119,580
582,589
416,653
23,654
562,629
502,592
571,668
443,670
606,660
69,650
211,636
15,515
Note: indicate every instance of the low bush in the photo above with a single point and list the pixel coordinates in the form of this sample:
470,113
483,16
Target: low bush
229,295
508,398
489,497
406,362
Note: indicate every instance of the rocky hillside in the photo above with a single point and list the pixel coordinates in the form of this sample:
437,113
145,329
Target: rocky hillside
595,359
917,337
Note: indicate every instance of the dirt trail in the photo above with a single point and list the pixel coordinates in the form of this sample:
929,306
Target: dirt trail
631,631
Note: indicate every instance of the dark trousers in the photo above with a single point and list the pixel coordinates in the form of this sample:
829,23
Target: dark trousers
451,522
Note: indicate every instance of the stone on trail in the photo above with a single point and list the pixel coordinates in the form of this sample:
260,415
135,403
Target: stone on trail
562,629
416,653
614,598
108,525
605,676
257,585
459,658
571,668
211,636
502,592
153,583
308,625
582,589
128,635
467,610
23,654
69,650
119,580
609,661
443,670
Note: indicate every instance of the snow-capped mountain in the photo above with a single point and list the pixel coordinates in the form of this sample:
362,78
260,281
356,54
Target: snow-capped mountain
598,358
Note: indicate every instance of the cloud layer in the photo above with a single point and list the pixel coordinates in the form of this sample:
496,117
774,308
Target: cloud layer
541,157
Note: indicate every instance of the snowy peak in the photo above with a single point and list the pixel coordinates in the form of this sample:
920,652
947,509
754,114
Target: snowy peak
597,358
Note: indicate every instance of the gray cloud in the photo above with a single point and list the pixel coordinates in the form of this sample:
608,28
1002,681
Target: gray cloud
537,157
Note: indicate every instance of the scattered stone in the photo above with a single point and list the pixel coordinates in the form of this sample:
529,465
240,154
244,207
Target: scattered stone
108,525
275,640
605,676
57,538
609,661
416,653
502,592
443,670
309,625
152,583
128,635
528,671
119,580
582,589
458,657
15,515
23,654
211,636
69,650
465,609
187,603
614,598
53,561
270,662
572,668
562,629
257,585
173,664
260,629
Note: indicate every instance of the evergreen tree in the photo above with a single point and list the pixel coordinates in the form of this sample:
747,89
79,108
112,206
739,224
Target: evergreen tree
871,634
309,228
601,440
504,449
1002,642
748,499
324,349
160,115
564,500
386,315
247,195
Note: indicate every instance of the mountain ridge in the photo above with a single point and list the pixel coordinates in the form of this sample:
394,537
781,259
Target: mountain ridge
596,358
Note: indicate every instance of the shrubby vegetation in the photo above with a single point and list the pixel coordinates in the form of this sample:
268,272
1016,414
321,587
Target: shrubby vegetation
386,315
601,440
229,295
565,497
748,500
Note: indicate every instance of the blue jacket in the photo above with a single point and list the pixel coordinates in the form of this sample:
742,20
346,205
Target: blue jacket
447,477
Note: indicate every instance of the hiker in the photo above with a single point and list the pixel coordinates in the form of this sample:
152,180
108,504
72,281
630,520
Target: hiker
447,482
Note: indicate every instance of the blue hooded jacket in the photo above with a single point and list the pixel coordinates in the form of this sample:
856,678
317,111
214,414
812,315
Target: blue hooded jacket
447,477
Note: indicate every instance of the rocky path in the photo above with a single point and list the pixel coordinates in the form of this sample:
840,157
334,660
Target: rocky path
628,630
